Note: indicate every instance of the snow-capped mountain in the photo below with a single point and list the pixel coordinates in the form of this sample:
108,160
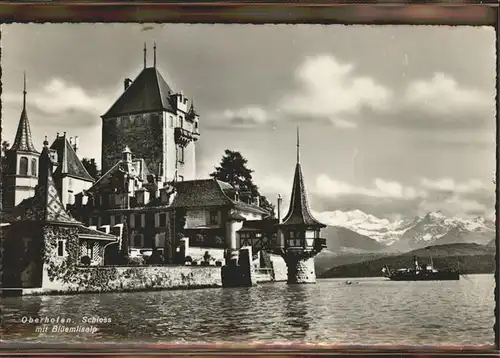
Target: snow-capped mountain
406,234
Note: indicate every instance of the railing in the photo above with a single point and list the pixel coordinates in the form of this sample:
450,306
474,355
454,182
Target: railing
183,136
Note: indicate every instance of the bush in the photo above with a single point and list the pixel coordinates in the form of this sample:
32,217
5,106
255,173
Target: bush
194,263
136,261
85,260
188,259
156,259
218,263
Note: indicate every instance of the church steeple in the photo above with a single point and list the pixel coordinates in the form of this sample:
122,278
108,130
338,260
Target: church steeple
23,140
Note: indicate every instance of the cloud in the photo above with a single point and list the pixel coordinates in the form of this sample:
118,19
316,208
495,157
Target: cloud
58,97
330,88
449,185
380,189
333,92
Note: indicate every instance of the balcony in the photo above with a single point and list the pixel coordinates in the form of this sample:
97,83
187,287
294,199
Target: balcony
320,244
183,137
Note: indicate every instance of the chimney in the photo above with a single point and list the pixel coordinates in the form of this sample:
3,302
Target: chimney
126,83
76,144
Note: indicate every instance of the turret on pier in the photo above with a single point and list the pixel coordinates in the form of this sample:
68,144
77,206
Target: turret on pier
300,232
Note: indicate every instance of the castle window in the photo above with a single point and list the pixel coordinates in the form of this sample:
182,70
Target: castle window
138,221
171,122
214,217
33,167
181,178
60,248
181,122
23,166
163,220
180,154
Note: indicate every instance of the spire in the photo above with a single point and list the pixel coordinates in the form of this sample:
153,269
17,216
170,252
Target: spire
299,213
23,140
298,145
145,54
154,55
24,92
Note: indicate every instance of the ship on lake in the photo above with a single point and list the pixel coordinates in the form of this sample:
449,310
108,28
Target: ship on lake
421,273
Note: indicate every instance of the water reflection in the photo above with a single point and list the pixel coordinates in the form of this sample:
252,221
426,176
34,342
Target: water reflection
296,311
453,313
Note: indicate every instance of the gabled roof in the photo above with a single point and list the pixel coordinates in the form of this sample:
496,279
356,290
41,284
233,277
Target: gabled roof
23,141
149,92
68,162
259,225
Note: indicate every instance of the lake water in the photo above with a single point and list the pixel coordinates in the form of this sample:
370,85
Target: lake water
370,311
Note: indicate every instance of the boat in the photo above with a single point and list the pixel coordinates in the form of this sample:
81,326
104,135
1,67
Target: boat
421,273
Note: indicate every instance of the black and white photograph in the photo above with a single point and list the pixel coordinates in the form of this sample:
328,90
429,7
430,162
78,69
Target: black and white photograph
248,184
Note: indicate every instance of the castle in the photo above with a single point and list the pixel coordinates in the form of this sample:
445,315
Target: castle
149,185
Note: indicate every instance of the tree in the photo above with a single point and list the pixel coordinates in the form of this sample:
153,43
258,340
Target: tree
91,167
233,170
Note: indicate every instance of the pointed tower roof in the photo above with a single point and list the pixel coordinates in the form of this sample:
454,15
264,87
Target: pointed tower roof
23,141
46,205
68,162
299,213
149,92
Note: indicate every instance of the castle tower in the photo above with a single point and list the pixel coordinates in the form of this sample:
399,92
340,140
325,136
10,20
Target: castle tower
154,121
300,232
21,170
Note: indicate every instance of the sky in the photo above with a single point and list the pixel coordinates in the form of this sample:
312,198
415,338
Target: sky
395,121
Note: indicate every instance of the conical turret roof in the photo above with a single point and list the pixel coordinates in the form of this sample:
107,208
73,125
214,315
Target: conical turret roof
23,141
299,213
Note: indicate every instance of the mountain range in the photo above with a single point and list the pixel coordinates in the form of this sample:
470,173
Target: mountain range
356,231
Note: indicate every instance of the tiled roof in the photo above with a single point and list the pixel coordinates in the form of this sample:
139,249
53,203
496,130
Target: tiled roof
149,92
199,193
299,212
259,225
68,161
23,141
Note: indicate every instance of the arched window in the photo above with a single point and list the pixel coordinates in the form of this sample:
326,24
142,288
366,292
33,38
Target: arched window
33,167
23,166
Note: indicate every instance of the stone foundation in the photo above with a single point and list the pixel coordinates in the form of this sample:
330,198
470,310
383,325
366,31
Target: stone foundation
301,270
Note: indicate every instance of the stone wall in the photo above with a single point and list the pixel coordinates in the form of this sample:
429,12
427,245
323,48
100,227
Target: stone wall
143,133
132,278
279,268
301,270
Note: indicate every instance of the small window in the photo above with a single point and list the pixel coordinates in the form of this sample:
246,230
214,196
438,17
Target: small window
60,248
33,167
181,177
163,220
181,122
138,221
171,122
23,166
214,217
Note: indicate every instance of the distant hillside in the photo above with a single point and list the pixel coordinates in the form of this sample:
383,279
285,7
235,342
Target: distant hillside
326,259
469,258
341,237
